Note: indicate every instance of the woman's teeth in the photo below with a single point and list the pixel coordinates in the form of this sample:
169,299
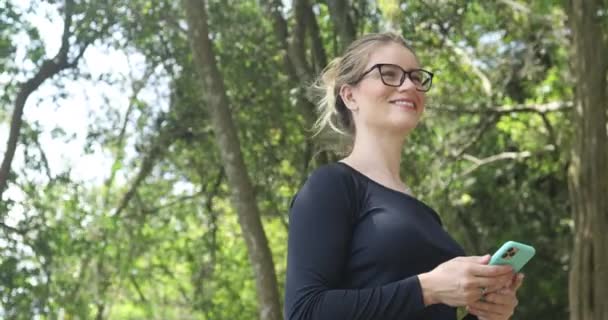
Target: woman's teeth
407,104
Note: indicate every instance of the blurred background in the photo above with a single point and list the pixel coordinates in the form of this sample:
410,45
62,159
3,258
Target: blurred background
151,148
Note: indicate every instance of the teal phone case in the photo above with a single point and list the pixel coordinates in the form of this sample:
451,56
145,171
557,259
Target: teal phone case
514,254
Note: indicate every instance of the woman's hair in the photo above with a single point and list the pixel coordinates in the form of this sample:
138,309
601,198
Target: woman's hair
347,69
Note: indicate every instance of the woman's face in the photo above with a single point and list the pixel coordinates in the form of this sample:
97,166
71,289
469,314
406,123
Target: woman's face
377,106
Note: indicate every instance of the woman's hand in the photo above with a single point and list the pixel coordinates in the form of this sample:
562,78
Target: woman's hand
463,280
498,305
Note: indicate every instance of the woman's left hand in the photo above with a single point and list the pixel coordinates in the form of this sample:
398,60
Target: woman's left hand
498,305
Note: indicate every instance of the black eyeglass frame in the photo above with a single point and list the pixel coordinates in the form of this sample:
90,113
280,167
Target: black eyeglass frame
403,76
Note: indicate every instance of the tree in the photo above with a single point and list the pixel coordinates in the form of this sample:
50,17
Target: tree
48,69
588,172
243,195
158,236
345,26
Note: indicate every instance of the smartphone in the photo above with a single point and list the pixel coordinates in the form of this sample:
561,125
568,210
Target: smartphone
514,254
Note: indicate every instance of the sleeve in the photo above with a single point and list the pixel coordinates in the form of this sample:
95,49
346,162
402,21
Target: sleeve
320,230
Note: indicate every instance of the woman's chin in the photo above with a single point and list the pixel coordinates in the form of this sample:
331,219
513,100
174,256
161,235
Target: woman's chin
405,124
403,128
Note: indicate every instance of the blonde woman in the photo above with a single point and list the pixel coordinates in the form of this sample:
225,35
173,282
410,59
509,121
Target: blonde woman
361,246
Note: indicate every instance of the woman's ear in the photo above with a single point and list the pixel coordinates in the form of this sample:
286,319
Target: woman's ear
346,93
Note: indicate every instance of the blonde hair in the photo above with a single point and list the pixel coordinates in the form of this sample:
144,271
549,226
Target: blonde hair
347,69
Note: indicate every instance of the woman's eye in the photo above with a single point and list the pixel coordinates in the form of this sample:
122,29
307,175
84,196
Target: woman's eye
389,74
416,78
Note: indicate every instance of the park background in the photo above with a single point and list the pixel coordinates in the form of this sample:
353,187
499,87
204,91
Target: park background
150,149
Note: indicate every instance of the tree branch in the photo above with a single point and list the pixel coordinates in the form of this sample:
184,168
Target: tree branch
180,288
477,163
172,203
142,298
494,114
443,31
486,84
502,110
43,158
487,124
8,228
318,51
157,151
550,130
48,69
136,87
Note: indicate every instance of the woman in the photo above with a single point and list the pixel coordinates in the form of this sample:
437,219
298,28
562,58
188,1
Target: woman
360,245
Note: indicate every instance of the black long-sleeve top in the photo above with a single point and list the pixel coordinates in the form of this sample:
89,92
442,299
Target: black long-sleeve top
356,247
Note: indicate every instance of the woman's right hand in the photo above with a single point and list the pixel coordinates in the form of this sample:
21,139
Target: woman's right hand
463,280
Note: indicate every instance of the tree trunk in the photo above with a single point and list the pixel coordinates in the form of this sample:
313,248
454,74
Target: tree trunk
299,72
242,192
588,172
294,59
339,11
318,51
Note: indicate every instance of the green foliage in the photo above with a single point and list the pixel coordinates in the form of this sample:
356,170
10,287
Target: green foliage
175,251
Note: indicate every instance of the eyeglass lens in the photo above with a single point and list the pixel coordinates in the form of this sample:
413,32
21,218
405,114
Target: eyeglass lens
395,76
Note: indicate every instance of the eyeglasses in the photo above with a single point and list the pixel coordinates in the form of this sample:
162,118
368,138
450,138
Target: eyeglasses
393,76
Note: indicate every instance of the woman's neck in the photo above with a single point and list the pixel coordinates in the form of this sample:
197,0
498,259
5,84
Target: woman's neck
378,156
